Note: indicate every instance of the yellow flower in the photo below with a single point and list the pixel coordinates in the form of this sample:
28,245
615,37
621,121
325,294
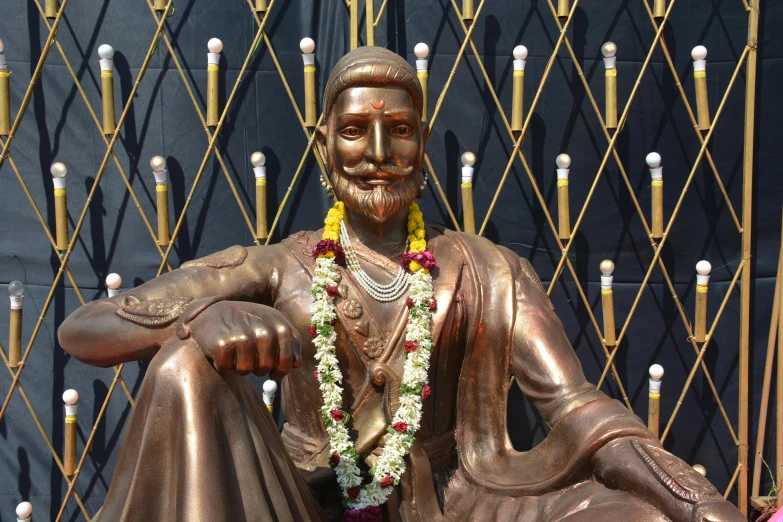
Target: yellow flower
331,220
420,233
328,254
412,226
328,234
418,245
414,266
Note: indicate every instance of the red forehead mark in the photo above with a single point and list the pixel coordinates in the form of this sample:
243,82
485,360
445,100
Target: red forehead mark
377,105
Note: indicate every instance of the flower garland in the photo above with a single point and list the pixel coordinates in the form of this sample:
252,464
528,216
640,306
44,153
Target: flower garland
364,501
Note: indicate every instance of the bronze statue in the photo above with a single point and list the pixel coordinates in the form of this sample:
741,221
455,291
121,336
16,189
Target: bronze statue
201,445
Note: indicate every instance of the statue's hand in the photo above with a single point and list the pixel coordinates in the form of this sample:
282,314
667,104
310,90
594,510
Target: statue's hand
716,512
247,337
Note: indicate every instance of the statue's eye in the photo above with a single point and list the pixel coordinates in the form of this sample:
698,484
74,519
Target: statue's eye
402,131
351,133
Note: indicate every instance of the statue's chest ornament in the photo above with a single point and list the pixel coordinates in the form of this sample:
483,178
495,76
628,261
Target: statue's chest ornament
414,276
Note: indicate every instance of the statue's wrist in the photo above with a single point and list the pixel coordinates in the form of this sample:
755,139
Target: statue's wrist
193,310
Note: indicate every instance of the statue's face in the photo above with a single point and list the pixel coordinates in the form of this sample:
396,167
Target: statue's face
374,145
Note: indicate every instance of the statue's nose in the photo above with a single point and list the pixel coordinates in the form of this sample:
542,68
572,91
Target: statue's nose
377,150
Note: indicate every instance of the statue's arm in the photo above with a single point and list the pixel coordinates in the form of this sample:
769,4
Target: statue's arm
96,334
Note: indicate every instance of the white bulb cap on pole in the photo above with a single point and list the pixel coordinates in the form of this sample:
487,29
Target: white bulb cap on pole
656,374
607,269
16,291
422,51
113,284
270,389
106,52
520,56
468,160
158,165
654,162
24,511
703,269
259,164
215,47
609,50
71,398
58,171
699,55
563,162
307,45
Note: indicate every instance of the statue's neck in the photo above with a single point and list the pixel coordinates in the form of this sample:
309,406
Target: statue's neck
387,238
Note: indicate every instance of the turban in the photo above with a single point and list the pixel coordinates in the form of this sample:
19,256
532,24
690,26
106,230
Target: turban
371,67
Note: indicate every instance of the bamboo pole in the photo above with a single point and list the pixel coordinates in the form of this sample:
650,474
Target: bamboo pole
261,7
380,13
369,16
654,397
609,51
354,24
158,165
51,8
699,54
422,51
747,203
5,93
468,215
259,169
518,88
656,189
467,11
774,322
563,162
16,290
607,302
215,47
307,45
106,52
702,279
59,171
70,398
562,8
659,9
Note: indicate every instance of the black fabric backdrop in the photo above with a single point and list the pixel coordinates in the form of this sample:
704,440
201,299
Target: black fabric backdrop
162,120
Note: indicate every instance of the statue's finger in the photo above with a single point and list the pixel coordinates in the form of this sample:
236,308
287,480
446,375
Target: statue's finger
245,349
266,346
285,353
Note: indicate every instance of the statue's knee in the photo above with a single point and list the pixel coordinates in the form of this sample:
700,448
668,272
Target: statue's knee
181,367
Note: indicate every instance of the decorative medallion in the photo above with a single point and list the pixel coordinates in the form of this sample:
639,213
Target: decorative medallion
233,256
679,478
155,312
352,308
373,347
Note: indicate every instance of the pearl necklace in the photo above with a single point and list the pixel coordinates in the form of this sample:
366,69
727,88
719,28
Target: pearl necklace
384,293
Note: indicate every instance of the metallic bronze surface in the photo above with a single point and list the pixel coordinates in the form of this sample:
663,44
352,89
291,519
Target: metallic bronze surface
202,446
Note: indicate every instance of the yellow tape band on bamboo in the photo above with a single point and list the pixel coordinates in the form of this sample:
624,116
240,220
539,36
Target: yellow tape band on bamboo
60,192
467,185
519,73
107,74
562,183
5,74
423,74
701,289
309,68
605,291
213,68
161,188
611,72
657,183
260,182
655,395
699,74
70,419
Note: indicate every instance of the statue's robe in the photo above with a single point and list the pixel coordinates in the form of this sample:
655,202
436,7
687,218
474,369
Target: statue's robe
201,446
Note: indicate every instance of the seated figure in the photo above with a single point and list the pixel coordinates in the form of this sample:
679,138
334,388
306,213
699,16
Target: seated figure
394,344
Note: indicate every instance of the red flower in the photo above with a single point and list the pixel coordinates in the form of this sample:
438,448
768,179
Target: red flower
424,258
410,346
327,245
387,481
368,514
313,331
334,321
400,426
315,373
337,415
336,460
432,304
426,391
332,291
409,303
353,491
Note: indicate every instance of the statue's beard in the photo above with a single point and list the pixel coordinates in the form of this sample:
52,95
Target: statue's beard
380,202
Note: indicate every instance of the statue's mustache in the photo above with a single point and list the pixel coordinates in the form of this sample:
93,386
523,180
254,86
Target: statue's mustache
367,168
